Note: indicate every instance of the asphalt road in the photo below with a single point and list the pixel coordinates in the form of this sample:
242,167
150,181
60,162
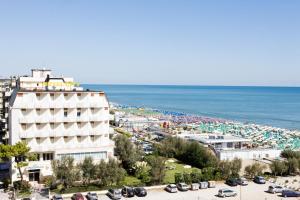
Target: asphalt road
251,192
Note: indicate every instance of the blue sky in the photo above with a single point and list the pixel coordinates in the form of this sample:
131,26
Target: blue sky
154,42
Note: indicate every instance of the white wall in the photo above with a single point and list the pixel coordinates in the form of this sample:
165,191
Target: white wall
249,154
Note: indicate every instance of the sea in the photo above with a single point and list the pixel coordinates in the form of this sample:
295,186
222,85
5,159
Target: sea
272,106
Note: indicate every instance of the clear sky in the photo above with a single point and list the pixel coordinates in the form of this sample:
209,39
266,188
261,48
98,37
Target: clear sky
254,42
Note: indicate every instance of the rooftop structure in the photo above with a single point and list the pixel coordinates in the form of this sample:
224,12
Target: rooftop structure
42,79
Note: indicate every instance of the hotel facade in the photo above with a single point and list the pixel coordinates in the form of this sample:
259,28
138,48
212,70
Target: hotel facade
57,118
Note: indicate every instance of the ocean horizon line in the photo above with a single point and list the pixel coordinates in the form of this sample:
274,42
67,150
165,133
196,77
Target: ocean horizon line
190,85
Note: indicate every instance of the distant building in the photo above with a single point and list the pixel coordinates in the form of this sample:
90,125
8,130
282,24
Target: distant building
6,87
57,118
228,147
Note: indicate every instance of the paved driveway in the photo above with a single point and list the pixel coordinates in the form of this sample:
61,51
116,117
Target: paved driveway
251,192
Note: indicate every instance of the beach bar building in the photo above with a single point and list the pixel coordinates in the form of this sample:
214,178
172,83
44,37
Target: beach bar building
228,147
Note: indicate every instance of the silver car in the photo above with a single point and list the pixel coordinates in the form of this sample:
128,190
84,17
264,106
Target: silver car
275,189
242,181
114,193
172,188
226,193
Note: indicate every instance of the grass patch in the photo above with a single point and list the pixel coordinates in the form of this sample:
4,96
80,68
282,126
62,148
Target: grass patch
173,168
131,181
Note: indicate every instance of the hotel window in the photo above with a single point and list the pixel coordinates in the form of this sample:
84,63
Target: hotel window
24,127
229,145
79,125
38,96
65,139
52,140
106,108
38,111
38,140
78,112
79,139
92,110
52,111
78,94
38,156
52,96
38,126
92,124
92,138
23,139
52,126
47,156
65,112
92,94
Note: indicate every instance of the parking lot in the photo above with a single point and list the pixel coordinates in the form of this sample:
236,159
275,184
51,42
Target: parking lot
251,192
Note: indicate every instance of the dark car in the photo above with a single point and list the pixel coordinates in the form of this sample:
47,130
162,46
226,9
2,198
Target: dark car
26,199
231,182
57,197
127,191
290,193
259,180
77,196
91,196
140,192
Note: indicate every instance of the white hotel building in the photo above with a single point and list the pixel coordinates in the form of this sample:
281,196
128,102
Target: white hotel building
57,118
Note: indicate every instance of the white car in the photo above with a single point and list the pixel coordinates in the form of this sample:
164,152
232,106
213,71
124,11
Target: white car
226,193
275,189
242,181
172,188
182,187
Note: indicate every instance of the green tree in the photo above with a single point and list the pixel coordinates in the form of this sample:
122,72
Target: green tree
254,169
196,175
224,168
88,169
65,170
235,166
21,154
198,156
109,173
127,152
278,167
292,165
178,177
157,171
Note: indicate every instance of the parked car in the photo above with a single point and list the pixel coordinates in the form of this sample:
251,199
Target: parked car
290,193
26,198
182,187
140,191
195,186
77,196
203,185
57,197
114,194
259,180
211,184
127,191
242,181
275,189
91,196
171,188
226,193
231,182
